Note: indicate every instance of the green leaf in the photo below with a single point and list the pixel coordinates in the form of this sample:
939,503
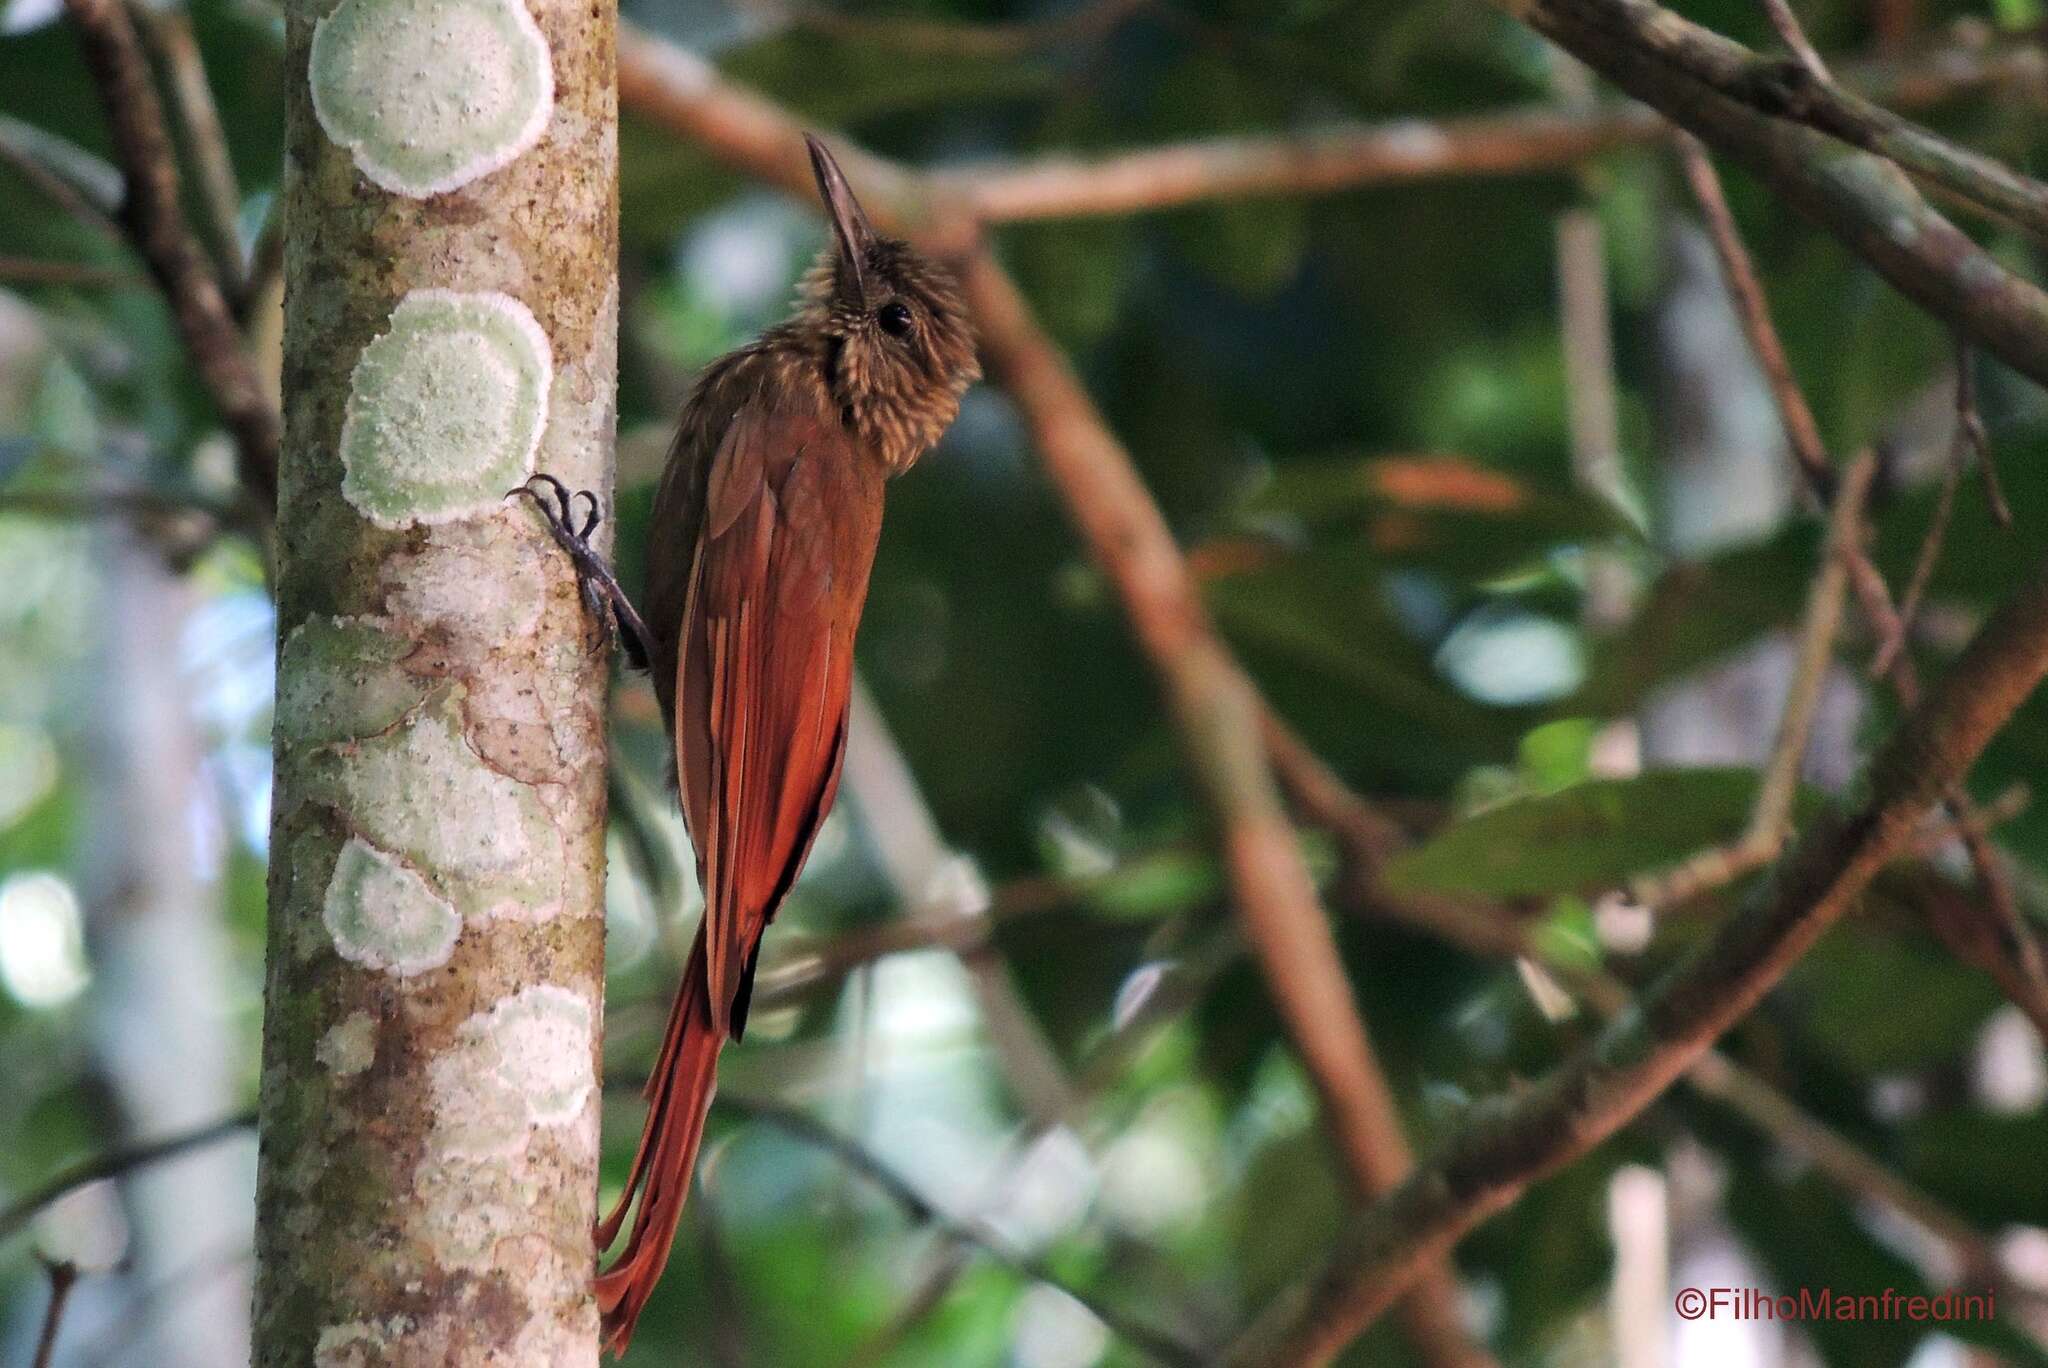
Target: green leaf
1882,1002
1586,837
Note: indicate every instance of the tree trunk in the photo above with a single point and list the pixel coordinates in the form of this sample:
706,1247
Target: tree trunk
429,1099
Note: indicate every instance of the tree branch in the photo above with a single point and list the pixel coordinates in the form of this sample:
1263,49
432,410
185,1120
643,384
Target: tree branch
63,1277
1217,713
113,1164
155,222
167,34
1487,1166
1367,839
1688,74
2008,946
668,84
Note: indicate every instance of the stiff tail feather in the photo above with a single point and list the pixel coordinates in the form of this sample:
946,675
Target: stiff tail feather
678,1096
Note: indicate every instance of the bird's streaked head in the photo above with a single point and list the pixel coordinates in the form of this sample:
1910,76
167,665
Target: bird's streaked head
899,346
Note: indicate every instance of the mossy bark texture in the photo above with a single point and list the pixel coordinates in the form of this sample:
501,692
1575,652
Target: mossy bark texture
429,1096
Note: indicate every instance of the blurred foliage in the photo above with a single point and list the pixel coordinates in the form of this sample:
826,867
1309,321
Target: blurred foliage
1352,409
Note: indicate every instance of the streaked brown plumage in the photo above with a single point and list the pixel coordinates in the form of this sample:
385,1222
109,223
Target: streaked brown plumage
764,531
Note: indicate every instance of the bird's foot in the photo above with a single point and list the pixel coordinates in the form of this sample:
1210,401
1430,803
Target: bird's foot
602,596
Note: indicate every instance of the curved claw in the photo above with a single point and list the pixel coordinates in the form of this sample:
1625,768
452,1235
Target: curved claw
596,514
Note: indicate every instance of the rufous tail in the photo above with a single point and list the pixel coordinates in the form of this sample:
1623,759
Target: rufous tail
678,1096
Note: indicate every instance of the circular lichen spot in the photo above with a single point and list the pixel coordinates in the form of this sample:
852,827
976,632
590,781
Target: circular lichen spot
445,409
350,1046
523,1062
427,95
384,916
542,1039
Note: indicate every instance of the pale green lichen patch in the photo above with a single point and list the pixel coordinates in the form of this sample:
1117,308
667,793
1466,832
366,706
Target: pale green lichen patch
427,95
340,678
445,409
524,1062
355,1344
384,916
542,1038
476,836
470,584
350,1046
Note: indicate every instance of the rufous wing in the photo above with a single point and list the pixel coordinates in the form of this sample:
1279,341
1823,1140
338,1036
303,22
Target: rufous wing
791,514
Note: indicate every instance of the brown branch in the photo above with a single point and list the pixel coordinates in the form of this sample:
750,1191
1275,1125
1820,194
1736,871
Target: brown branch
1347,156
1489,1164
2021,969
1969,431
1988,817
1971,425
1214,705
113,1164
1316,161
1801,431
63,1276
36,271
1789,90
167,34
155,222
1367,839
1217,712
1687,74
664,82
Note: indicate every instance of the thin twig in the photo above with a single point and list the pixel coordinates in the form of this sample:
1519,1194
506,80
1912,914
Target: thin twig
924,870
1924,563
64,175
63,1276
1684,60
1802,433
113,1164
1770,818
114,503
655,78
155,221
1794,38
1987,818
36,271
802,1126
266,264
1970,425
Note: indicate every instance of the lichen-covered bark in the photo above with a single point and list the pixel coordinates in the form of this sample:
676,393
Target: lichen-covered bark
429,1099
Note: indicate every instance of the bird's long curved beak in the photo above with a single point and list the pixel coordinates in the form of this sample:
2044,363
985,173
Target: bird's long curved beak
849,221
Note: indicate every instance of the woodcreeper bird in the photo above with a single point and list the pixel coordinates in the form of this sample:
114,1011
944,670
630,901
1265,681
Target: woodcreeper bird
764,530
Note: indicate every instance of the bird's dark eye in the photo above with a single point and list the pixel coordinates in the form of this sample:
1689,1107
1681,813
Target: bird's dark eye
894,318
